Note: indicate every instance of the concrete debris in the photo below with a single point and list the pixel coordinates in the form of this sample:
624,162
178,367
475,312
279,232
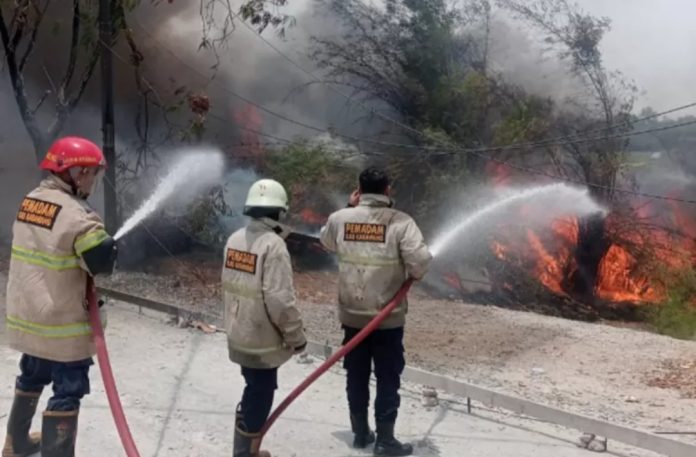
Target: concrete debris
430,399
598,445
585,440
593,443
304,359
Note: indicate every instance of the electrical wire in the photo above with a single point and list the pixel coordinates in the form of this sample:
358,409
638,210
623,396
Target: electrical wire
446,150
443,150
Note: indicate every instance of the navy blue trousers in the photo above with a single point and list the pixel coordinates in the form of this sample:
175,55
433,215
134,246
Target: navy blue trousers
386,349
70,380
257,399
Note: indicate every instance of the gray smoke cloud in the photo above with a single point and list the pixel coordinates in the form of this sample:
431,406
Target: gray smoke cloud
661,62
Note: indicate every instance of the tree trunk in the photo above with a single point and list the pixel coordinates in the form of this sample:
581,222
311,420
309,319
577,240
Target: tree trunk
41,145
589,252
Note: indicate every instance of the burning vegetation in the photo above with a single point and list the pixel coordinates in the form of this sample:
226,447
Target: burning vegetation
535,267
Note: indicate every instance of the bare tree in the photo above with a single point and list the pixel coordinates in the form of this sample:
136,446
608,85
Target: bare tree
20,26
23,25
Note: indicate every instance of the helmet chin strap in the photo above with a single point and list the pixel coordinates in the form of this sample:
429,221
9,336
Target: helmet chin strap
74,177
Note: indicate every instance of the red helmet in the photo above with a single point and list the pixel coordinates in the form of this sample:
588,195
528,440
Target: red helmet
72,151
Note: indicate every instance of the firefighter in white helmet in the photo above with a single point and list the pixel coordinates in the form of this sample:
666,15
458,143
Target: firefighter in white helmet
378,248
264,328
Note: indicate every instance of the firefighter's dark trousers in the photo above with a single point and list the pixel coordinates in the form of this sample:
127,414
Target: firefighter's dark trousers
257,399
70,380
386,349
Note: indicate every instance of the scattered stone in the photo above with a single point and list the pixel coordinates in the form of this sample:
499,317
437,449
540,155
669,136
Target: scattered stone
536,371
592,442
585,440
631,399
599,444
304,359
430,397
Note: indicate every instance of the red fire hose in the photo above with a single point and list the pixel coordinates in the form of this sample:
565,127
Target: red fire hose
357,339
107,375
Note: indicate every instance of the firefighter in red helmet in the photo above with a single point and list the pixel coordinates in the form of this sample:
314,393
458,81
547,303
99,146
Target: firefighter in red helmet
58,240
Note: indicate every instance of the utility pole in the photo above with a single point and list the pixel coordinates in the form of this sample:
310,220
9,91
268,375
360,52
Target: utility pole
107,85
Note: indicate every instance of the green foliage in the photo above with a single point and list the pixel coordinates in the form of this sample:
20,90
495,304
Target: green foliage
458,104
202,218
676,316
303,162
310,172
528,120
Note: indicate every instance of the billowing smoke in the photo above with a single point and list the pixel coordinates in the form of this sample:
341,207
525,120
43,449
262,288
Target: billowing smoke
169,36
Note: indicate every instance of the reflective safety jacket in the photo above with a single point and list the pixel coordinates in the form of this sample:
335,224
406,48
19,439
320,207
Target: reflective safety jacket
46,303
263,325
378,248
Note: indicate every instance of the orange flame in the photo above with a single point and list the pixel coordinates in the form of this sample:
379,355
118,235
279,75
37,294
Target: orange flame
617,282
551,258
312,217
549,254
453,280
250,122
547,268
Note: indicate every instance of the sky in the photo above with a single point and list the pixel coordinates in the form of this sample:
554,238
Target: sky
654,42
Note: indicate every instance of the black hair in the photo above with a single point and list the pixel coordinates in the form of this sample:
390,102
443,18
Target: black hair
258,212
373,181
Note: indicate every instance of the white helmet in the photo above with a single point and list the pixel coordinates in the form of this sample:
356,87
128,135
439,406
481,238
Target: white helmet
267,193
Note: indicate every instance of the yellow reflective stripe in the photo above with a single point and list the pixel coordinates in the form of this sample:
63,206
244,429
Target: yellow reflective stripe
260,351
362,312
50,331
46,260
242,291
369,261
88,241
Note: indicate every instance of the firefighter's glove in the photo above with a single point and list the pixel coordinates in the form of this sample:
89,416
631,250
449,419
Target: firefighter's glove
101,258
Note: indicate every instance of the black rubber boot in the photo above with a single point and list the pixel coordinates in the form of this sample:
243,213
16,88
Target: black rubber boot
387,444
247,444
19,442
59,433
361,428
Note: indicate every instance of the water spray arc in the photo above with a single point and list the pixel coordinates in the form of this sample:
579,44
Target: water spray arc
575,201
193,172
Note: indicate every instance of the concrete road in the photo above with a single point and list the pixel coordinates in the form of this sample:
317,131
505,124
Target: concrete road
179,391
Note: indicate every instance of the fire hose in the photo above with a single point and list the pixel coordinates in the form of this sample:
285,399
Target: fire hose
357,339
107,375
112,391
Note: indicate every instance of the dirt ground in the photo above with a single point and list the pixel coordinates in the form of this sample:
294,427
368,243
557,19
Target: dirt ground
623,375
